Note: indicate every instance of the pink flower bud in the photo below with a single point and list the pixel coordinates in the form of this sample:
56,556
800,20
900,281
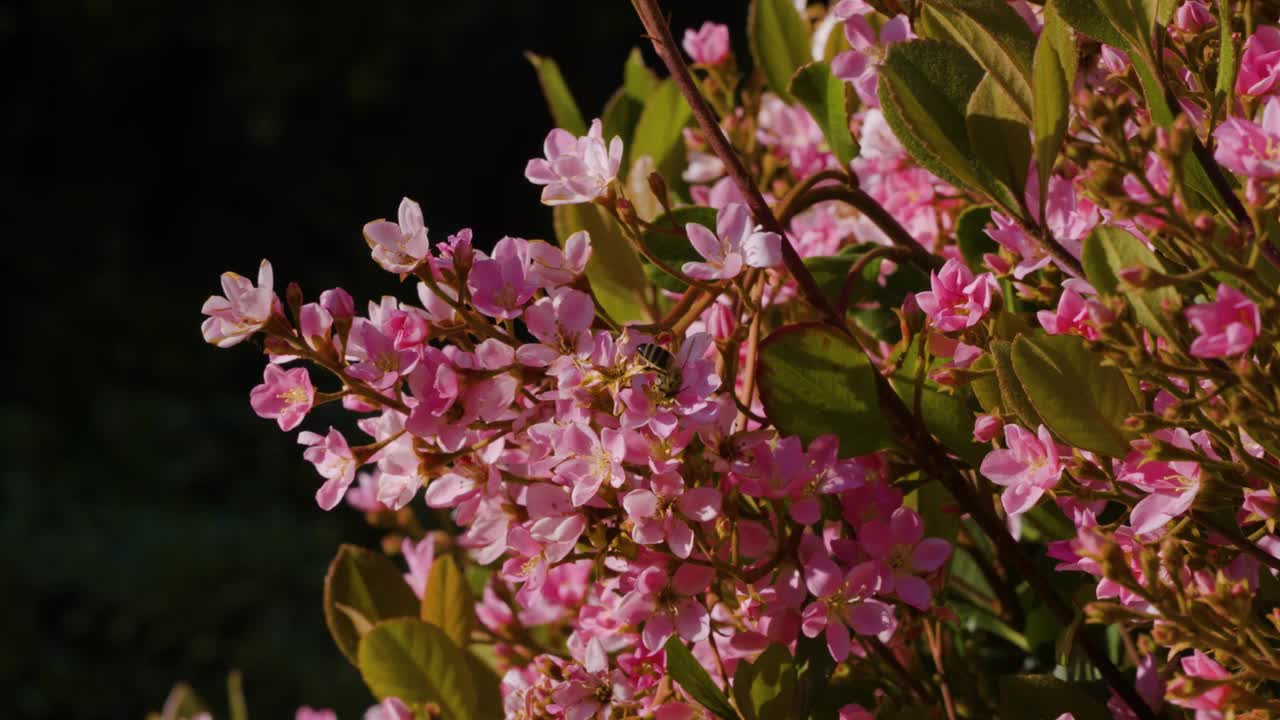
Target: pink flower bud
708,45
339,303
986,427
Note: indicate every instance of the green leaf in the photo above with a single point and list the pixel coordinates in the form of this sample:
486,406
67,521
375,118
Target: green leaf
1013,398
659,132
685,669
947,415
924,90
638,81
779,40
822,94
447,603
815,381
766,689
667,239
1107,251
367,583
831,271
1044,697
1001,139
237,708
997,37
816,665
617,280
1228,64
1086,17
488,688
1053,77
622,112
564,109
1082,401
987,388
412,660
1133,19
971,234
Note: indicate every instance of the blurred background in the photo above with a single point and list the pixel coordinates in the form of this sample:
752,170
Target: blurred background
152,528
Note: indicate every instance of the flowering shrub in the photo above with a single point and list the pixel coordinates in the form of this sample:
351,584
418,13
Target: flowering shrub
926,370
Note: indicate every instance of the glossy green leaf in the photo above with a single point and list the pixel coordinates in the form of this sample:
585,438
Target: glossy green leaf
448,603
766,688
1082,401
414,661
971,234
689,674
1013,398
564,109
924,90
667,239
1044,697
779,42
1053,77
815,381
822,94
997,37
659,132
1107,251
367,583
1000,138
614,271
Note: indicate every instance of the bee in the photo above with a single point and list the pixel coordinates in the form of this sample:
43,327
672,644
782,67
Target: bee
663,364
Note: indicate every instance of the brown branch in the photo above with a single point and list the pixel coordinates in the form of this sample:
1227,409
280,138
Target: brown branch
875,212
914,437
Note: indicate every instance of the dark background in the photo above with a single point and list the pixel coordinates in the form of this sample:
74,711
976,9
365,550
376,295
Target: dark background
152,528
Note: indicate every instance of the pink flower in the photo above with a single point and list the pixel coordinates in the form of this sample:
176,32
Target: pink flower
284,396
390,709
844,601
1210,704
589,690
530,557
708,45
1227,326
1260,62
737,241
420,557
307,713
243,311
900,550
791,132
958,299
1171,486
854,711
985,428
1069,219
333,460
576,170
399,247
1029,466
550,267
1072,315
669,604
595,459
379,362
858,66
1193,16
663,512
1249,149
499,284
